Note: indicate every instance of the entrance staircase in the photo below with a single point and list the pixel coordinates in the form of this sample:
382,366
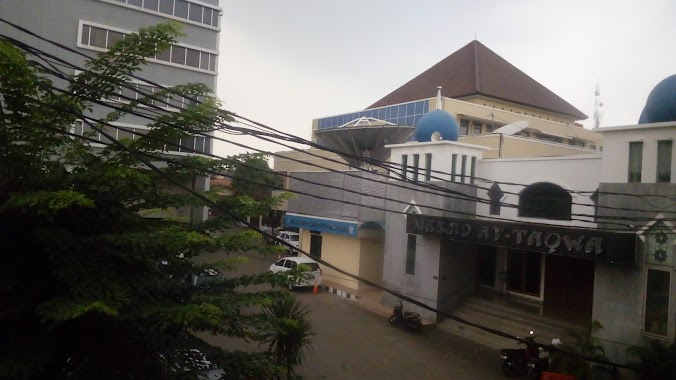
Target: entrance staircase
505,314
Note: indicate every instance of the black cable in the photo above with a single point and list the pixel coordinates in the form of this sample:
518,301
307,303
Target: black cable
471,214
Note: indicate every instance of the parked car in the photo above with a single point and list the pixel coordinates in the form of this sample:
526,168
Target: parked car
289,263
290,237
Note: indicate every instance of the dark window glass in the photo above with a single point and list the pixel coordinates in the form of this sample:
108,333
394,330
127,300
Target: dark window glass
404,166
167,6
97,37
129,92
664,161
181,9
123,133
464,126
145,91
138,132
85,35
204,61
136,3
472,170
199,144
410,254
428,166
212,62
113,37
657,302
110,131
78,128
394,111
419,107
207,16
151,4
545,200
410,109
476,128
193,58
402,110
164,55
416,166
489,128
178,54
214,18
188,144
175,101
196,12
635,161
88,131
316,245
173,145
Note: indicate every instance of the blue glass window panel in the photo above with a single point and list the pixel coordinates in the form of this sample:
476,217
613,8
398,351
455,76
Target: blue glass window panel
410,109
418,108
427,106
381,114
402,110
320,124
409,120
395,111
417,118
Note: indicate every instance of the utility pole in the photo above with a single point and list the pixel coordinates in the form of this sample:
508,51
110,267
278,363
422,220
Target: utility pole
597,106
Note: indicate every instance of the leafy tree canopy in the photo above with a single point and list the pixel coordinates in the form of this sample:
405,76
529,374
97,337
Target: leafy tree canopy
89,287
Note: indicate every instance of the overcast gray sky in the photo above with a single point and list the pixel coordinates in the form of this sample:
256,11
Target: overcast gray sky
284,63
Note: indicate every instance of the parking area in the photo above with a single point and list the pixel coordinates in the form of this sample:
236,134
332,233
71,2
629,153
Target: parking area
352,343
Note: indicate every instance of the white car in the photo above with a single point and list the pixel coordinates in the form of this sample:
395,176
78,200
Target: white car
290,237
288,263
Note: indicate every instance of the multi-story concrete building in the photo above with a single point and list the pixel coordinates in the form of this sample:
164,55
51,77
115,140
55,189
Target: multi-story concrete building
92,26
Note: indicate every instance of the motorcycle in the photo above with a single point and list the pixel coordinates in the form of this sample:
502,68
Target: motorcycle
516,361
406,319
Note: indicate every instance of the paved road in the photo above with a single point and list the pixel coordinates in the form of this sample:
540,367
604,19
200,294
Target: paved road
352,343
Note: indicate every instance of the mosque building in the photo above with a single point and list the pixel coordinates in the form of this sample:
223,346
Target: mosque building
524,222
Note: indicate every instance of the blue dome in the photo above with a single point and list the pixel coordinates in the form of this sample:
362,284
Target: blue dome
436,121
661,103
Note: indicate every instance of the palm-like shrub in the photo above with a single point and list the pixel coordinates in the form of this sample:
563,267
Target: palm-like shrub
289,336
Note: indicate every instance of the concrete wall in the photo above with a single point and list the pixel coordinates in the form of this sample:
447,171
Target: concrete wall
616,150
424,284
285,161
337,206
457,273
371,259
518,146
580,173
344,253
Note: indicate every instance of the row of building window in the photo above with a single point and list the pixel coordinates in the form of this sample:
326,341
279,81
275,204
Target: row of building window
664,149
179,8
135,91
191,144
400,114
461,177
105,38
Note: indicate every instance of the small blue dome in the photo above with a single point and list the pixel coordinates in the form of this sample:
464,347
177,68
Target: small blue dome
436,121
661,103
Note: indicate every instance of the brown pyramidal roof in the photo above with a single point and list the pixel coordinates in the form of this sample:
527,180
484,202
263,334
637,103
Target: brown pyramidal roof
477,70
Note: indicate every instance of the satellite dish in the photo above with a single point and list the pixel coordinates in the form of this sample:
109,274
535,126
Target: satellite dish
512,129
436,136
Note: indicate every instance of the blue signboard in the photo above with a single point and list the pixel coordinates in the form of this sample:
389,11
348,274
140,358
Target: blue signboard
337,227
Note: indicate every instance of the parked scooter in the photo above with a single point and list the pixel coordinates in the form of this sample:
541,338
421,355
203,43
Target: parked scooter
406,319
515,361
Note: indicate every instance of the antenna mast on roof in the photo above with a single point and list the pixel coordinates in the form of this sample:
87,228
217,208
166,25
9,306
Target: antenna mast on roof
597,106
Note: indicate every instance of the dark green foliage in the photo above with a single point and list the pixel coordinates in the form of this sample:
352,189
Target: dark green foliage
583,343
657,360
290,334
89,287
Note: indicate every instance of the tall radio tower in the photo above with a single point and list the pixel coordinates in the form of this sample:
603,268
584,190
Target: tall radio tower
597,106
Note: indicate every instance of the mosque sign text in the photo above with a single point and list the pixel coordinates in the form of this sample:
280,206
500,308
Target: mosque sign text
583,243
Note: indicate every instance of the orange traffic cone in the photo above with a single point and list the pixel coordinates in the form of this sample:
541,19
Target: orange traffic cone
315,290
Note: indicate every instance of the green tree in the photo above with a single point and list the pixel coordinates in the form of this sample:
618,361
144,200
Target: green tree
289,337
89,288
253,176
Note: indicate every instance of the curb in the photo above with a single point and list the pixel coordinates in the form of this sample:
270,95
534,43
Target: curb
338,292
